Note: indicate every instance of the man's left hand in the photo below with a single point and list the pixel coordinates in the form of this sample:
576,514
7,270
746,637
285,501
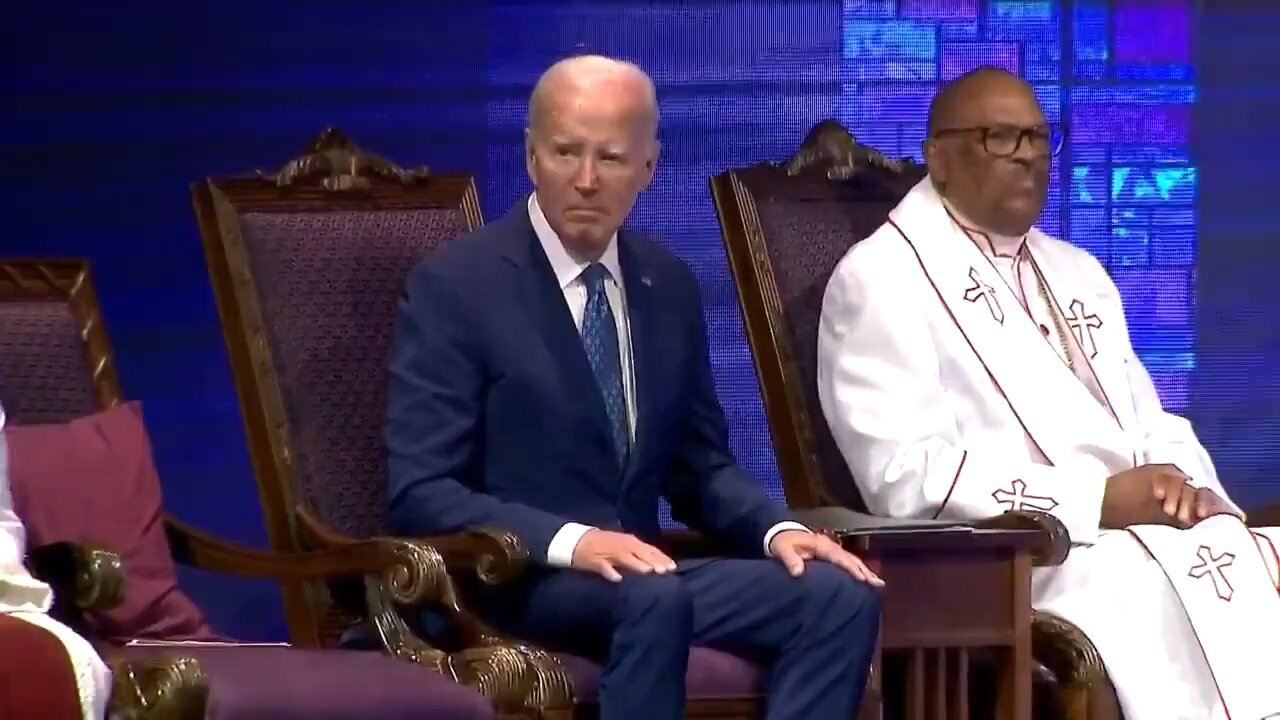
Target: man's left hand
793,547
1210,503
1189,504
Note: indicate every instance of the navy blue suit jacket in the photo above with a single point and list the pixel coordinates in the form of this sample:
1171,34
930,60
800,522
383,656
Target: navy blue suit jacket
494,417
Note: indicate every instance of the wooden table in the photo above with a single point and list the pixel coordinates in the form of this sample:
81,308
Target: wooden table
948,593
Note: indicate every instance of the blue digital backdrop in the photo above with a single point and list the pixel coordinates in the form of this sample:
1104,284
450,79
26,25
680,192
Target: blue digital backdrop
111,110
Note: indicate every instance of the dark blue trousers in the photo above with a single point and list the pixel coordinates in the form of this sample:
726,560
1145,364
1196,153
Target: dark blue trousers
815,633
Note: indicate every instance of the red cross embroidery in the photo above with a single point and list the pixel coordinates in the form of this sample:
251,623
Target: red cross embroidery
1211,566
1082,327
982,291
1018,499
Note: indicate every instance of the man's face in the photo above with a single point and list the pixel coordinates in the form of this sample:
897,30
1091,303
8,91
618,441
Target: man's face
589,156
972,156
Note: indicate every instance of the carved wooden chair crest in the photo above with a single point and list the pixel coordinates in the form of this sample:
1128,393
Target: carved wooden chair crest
785,227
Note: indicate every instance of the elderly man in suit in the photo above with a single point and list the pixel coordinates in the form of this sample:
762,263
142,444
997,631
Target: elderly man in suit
47,671
549,375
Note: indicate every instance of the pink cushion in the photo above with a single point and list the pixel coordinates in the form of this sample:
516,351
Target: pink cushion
93,481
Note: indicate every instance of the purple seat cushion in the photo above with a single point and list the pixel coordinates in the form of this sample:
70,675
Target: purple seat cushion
250,683
712,675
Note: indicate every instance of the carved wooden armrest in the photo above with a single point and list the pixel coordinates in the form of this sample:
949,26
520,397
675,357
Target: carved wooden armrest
397,560
493,556
1065,651
517,678
1050,549
1054,542
83,577
168,688
395,572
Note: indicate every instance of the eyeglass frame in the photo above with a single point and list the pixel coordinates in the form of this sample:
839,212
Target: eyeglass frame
1049,130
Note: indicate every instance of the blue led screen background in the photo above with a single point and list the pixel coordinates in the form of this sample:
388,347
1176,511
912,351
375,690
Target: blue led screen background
110,111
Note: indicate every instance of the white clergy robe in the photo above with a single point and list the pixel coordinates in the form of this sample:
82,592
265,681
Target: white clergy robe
25,598
964,375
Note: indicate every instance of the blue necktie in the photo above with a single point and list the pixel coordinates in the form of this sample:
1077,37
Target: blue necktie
600,337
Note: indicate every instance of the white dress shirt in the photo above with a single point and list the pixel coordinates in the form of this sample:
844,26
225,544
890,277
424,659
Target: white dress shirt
568,271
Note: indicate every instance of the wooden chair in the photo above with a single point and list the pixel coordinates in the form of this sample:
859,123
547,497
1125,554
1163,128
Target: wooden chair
56,370
785,226
307,265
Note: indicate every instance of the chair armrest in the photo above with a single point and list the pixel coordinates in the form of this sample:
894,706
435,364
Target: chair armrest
492,556
1268,516
518,678
495,557
396,573
382,556
404,571
841,522
1054,541
87,577
1065,650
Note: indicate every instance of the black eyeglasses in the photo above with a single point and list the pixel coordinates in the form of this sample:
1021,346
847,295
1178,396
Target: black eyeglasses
1004,140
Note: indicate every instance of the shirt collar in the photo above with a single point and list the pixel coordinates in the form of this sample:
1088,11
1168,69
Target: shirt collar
566,266
992,244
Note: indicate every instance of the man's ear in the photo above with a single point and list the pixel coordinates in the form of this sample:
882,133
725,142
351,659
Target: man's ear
934,159
530,158
651,165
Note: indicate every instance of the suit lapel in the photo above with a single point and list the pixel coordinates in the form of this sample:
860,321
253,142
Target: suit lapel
638,286
552,321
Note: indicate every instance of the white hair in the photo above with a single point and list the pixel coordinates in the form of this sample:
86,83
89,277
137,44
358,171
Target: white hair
582,69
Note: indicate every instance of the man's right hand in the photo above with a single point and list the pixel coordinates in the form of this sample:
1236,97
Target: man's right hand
1149,495
605,553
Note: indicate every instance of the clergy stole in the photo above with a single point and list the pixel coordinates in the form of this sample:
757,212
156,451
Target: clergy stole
1069,335
1042,353
1226,578
1012,319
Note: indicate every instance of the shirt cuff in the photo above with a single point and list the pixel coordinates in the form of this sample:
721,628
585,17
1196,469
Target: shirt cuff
560,549
768,537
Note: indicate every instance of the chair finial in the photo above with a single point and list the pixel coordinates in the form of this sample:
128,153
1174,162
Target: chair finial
829,144
332,162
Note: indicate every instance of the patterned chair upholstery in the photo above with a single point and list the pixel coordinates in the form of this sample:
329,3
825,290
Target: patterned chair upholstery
785,229
44,372
56,366
307,266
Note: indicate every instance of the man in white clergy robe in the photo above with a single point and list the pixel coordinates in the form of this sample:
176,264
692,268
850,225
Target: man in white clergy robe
25,598
969,364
